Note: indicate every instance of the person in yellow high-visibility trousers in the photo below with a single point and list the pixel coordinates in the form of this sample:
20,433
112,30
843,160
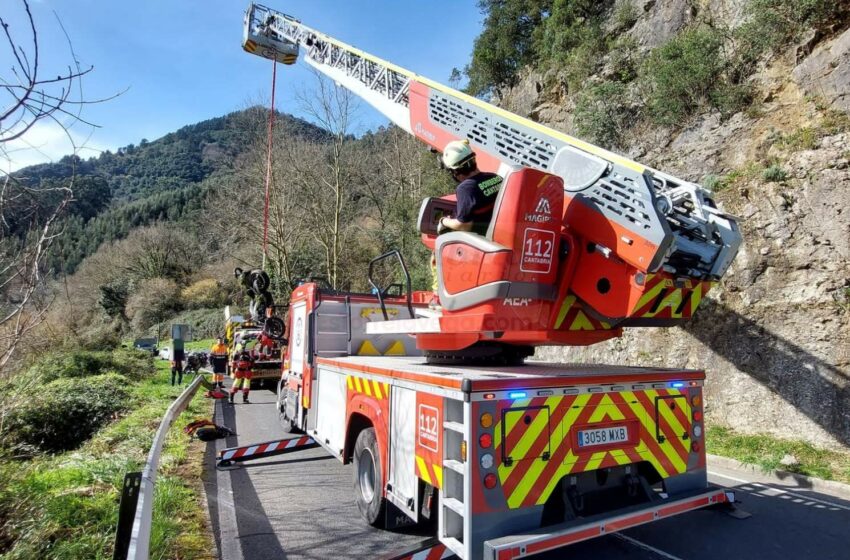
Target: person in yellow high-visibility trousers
218,358
243,370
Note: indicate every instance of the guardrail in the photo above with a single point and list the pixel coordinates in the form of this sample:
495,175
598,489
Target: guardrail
139,536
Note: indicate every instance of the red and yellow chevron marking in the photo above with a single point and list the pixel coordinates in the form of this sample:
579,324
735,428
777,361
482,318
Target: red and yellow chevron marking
673,302
368,387
574,318
529,479
250,46
429,472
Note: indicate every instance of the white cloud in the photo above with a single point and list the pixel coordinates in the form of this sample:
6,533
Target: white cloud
47,141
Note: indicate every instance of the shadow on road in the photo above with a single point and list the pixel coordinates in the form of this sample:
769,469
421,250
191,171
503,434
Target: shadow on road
285,462
257,537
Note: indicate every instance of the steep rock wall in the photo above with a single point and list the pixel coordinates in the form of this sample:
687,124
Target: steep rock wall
774,337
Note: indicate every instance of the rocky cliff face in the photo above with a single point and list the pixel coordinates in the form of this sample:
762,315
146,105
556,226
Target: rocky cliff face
774,336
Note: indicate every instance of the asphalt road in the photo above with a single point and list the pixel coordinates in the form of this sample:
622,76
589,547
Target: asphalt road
300,506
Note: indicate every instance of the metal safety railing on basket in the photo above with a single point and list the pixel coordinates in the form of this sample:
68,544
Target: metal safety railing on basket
132,542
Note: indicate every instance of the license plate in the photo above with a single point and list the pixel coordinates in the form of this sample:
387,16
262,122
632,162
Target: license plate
603,436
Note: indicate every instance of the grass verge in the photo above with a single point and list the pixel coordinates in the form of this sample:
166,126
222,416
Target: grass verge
767,452
65,506
203,344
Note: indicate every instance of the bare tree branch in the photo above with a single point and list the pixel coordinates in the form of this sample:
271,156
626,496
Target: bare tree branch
30,214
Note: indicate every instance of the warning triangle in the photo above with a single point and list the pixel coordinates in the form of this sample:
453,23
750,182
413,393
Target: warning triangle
368,349
396,349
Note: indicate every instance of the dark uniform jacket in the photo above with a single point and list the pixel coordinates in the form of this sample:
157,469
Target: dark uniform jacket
476,197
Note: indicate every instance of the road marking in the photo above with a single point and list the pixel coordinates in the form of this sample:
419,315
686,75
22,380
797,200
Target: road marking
230,544
780,491
644,546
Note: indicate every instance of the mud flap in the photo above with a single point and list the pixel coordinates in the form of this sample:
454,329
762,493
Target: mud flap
395,517
432,549
730,509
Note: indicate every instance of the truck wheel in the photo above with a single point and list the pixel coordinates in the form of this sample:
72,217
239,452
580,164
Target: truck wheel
368,477
274,327
286,422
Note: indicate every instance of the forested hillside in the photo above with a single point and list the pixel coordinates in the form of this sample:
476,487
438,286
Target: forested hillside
165,180
154,231
184,157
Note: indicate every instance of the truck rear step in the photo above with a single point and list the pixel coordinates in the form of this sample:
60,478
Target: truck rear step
550,538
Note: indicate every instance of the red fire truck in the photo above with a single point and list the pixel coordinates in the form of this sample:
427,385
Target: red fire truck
435,408
509,461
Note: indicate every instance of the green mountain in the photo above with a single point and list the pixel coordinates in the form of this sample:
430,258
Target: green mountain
161,180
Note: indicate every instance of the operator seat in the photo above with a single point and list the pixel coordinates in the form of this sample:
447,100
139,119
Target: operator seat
518,257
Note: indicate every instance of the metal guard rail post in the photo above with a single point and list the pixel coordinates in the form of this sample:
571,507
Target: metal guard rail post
140,538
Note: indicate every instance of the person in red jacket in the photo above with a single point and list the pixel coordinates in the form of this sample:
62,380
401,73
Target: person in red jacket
243,371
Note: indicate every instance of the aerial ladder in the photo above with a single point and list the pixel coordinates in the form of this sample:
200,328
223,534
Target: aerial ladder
583,242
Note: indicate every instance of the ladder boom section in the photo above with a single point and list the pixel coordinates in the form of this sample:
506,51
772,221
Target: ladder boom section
651,220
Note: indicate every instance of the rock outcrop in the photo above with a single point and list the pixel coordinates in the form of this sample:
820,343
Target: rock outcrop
774,336
826,72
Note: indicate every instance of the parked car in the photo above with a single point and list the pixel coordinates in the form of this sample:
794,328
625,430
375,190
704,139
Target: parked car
146,344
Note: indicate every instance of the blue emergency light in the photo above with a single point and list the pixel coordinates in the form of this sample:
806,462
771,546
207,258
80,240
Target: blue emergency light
517,395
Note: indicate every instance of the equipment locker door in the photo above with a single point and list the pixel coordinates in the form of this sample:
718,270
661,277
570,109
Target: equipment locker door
298,337
402,473
330,413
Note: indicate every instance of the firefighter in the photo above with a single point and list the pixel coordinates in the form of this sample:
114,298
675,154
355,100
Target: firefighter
243,371
265,347
218,355
476,194
476,190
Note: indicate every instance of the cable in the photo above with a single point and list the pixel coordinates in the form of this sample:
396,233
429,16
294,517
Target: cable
269,168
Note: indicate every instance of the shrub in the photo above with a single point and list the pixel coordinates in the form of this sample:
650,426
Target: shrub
205,323
583,59
155,300
729,98
774,24
83,363
66,412
625,14
100,335
680,75
801,139
774,174
602,113
712,182
625,59
834,121
203,293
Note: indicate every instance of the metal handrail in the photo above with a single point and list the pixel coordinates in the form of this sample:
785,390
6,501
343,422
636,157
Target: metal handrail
140,538
380,290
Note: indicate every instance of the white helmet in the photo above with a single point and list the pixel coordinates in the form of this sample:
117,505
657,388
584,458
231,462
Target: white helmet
457,153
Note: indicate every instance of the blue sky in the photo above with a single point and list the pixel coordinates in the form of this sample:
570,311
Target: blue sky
181,62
